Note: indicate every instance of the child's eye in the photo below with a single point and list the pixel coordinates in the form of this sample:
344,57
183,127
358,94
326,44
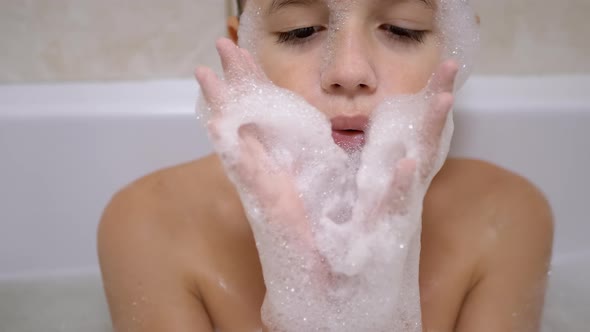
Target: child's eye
405,34
298,35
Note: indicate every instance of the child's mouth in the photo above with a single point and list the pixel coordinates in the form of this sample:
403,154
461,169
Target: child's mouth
349,140
349,132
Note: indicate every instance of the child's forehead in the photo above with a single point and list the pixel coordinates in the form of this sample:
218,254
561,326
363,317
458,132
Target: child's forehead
274,5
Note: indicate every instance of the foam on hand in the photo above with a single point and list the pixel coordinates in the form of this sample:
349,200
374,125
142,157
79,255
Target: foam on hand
345,255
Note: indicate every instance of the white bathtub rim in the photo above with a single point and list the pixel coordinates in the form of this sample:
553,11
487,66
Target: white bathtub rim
55,274
570,93
557,262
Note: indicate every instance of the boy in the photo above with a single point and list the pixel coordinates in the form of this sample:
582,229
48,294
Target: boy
177,252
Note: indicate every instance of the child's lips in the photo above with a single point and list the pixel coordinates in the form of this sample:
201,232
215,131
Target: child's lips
349,132
349,140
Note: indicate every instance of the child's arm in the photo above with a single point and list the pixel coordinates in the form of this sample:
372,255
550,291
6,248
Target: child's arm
141,270
512,275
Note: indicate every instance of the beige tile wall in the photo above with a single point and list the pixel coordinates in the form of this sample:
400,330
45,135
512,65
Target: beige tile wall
57,40
534,36
49,40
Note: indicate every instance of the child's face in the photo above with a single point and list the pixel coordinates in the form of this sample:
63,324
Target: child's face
344,57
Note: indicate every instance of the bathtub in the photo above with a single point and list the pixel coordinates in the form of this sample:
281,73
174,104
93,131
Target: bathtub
66,148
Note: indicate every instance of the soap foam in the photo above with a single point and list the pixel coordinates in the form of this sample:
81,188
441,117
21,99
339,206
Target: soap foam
459,32
347,261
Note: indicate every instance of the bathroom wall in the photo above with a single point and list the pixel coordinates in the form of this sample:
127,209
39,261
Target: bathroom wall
64,40
57,40
525,37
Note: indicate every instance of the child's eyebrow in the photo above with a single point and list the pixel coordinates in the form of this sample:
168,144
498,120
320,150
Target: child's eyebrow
278,4
427,3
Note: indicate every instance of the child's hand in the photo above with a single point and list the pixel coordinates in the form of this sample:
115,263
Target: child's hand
251,163
442,88
409,140
262,155
283,176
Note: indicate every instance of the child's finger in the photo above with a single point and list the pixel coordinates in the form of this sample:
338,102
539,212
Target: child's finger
211,85
225,49
436,117
444,78
274,189
435,121
213,129
403,179
251,65
232,59
253,157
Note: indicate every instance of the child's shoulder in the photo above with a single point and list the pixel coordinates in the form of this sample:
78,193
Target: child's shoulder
482,196
174,194
191,204
480,183
489,231
160,240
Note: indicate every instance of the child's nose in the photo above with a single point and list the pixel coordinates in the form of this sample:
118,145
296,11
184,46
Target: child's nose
348,68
